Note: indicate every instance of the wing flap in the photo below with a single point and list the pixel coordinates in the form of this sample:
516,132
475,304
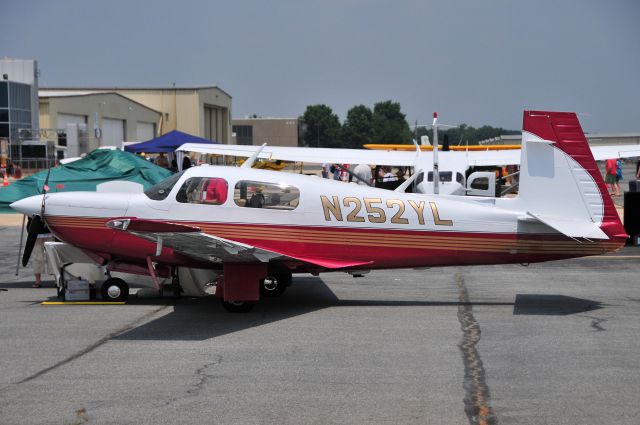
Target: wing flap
192,242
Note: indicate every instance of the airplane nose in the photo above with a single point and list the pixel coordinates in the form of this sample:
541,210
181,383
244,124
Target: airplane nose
28,206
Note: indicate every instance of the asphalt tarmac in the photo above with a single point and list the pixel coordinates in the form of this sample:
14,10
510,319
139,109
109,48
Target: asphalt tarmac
554,343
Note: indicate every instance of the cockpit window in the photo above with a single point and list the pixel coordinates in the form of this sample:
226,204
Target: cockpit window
275,196
445,176
160,191
203,190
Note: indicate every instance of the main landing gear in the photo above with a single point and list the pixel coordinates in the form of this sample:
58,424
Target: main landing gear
114,289
242,285
274,284
237,306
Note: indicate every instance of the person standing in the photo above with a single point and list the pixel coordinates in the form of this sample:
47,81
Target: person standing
618,173
363,172
325,170
162,161
611,176
389,176
40,265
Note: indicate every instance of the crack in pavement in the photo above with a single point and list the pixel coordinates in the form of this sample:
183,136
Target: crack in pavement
203,377
90,348
595,322
477,400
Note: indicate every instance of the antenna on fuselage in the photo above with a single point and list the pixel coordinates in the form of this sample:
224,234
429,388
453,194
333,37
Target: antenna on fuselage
436,174
249,162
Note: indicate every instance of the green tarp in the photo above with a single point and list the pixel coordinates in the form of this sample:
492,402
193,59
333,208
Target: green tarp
99,166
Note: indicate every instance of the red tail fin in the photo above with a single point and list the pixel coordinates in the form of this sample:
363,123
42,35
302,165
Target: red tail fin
563,128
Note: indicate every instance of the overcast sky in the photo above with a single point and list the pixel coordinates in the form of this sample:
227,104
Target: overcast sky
477,62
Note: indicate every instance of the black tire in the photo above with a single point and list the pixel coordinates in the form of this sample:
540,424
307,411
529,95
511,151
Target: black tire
237,306
275,284
114,290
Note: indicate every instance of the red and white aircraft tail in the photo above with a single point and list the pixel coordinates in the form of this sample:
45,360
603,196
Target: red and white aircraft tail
560,183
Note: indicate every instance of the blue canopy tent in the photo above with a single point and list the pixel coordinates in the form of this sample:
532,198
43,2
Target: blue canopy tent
166,143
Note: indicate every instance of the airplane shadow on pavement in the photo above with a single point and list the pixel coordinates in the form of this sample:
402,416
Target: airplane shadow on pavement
195,319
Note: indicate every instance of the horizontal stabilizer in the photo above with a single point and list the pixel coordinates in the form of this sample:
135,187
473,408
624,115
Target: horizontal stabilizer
571,228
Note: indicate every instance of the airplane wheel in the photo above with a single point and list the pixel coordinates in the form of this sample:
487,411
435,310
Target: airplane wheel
114,289
275,284
237,306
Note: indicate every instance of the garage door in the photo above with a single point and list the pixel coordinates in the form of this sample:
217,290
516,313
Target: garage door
112,132
145,131
64,119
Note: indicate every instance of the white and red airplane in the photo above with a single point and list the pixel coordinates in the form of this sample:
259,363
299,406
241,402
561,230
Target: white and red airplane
257,227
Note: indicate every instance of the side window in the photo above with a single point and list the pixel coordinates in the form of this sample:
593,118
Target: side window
481,183
203,190
274,196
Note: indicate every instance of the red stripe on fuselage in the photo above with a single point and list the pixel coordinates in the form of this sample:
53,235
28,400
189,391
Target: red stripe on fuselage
386,248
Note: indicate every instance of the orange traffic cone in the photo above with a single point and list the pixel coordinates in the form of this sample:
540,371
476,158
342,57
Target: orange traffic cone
5,181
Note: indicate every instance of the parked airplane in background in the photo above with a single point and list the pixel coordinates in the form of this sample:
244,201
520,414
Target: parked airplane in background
453,170
257,227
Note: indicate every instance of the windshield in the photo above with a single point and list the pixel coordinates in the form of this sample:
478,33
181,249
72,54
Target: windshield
161,190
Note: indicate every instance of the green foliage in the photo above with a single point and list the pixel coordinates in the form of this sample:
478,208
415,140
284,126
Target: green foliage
357,129
464,134
322,127
389,124
386,124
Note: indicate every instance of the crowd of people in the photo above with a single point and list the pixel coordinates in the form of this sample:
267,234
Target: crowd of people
161,160
363,174
7,168
613,175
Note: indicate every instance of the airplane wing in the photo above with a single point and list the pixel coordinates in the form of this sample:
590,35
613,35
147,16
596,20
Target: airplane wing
600,153
192,242
512,157
313,155
497,158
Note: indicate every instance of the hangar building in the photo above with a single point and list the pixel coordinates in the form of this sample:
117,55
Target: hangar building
203,111
272,131
78,120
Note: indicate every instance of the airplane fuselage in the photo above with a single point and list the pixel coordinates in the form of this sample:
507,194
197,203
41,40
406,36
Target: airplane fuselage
316,219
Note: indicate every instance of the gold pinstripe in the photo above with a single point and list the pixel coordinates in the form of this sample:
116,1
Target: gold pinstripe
351,238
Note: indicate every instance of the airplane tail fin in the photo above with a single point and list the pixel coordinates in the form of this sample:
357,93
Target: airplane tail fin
560,183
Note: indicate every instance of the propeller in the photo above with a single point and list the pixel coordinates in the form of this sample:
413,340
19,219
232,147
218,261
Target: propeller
36,225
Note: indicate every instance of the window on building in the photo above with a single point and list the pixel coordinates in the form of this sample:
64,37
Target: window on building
4,94
253,194
203,190
244,134
62,138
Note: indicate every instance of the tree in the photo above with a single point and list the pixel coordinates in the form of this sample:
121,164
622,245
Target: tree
357,129
389,124
322,127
